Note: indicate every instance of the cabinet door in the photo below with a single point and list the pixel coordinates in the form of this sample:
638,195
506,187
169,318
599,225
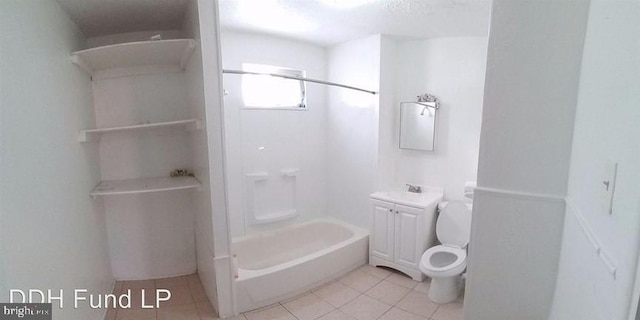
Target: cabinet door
409,241
381,238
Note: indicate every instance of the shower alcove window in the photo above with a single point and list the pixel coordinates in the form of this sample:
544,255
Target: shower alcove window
267,92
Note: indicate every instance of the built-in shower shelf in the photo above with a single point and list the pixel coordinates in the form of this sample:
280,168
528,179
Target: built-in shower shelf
172,52
133,186
277,216
94,134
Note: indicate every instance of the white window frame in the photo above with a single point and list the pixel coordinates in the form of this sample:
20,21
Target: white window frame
261,68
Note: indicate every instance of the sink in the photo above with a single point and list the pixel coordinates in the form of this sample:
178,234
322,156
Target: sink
429,197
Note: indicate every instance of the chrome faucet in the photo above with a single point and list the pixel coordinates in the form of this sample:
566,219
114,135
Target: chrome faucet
414,189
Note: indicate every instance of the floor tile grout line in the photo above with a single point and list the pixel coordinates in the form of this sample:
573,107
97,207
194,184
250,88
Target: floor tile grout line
346,302
434,311
360,294
404,296
382,315
288,311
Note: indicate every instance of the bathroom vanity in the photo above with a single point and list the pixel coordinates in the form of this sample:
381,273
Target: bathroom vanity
403,228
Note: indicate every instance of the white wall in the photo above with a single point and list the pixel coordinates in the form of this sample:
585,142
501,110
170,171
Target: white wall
387,143
3,279
452,69
200,155
287,138
352,129
533,68
606,131
53,233
214,261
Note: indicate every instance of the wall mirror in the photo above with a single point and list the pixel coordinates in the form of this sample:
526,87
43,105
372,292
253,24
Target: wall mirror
418,125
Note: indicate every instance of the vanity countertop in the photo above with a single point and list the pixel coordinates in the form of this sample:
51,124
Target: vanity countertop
430,196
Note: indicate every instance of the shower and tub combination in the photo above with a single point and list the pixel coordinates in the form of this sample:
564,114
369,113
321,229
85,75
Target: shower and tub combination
286,238
275,265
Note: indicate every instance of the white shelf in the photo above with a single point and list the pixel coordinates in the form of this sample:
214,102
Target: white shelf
94,134
278,216
175,52
133,186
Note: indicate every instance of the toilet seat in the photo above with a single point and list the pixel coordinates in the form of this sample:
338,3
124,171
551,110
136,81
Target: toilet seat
454,224
429,260
452,228
445,263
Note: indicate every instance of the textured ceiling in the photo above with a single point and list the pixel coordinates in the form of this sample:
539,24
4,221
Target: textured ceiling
324,22
327,22
103,17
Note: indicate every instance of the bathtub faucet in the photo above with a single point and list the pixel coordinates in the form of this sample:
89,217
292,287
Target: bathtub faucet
414,189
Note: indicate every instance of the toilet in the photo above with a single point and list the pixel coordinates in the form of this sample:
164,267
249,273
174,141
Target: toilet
445,263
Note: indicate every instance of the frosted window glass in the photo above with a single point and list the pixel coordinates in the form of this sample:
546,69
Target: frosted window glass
264,91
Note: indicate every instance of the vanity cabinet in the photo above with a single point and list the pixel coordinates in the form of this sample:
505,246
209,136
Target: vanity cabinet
401,233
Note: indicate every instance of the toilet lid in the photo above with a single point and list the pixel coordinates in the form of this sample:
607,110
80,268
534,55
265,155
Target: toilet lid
454,224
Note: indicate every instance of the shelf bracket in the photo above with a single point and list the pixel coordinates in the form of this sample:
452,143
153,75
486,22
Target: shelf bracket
82,136
82,64
197,125
290,172
188,51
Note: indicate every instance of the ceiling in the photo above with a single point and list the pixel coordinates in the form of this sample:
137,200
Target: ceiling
323,22
103,17
328,22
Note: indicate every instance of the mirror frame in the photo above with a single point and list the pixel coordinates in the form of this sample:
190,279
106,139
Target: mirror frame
435,107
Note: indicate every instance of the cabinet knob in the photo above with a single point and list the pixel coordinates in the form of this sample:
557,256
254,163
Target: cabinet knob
390,210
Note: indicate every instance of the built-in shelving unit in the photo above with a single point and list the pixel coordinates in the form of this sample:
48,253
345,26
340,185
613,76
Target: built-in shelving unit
133,186
172,52
94,134
134,58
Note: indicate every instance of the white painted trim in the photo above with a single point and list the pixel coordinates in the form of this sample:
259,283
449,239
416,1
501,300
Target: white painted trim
209,20
593,240
585,227
634,308
604,256
522,194
220,258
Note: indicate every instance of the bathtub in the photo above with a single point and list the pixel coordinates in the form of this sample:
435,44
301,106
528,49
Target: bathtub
276,265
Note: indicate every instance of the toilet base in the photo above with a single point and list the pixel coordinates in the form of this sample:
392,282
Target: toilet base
445,290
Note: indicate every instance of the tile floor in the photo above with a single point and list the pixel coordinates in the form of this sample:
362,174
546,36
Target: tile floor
188,300
367,293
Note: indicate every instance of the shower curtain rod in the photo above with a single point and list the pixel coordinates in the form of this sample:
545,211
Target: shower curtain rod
298,78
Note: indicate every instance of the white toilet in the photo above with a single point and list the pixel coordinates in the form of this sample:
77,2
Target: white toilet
445,263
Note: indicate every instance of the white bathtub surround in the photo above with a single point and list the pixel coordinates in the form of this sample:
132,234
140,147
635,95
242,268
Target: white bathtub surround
279,264
271,197
352,129
261,144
